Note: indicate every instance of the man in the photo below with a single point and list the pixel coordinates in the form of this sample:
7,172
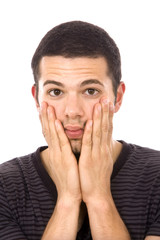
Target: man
84,185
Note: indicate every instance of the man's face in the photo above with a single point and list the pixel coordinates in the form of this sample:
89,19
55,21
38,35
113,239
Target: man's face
73,86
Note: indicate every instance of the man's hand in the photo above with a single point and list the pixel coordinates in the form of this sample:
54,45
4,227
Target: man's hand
62,167
95,167
96,163
61,163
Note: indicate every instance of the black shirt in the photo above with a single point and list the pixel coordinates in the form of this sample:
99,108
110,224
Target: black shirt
28,195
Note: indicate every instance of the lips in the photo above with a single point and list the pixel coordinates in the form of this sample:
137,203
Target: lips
74,132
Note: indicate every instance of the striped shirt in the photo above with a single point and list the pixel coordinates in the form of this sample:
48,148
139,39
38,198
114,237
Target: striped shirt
28,195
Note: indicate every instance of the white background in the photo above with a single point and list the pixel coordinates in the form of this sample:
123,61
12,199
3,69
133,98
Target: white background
134,25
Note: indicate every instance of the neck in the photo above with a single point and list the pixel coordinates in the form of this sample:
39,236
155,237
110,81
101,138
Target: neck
116,150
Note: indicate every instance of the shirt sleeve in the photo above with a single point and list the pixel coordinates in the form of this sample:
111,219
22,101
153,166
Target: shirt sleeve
9,228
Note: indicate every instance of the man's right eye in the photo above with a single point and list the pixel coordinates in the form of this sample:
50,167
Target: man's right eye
55,92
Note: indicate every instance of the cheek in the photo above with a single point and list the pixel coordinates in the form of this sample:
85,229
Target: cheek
59,111
89,108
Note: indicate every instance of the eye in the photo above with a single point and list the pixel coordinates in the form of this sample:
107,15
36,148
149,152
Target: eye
91,91
55,92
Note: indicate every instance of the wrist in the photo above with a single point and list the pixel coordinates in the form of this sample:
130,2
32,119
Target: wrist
100,202
64,216
67,202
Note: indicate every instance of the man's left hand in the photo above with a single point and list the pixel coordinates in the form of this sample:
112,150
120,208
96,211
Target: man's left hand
96,162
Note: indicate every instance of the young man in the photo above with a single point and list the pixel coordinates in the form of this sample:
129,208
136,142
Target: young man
83,185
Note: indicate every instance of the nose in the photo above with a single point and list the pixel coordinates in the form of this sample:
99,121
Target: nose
73,107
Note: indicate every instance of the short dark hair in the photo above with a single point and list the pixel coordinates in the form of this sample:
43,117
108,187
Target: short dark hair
79,39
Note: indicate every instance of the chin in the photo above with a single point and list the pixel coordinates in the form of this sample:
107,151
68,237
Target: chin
76,145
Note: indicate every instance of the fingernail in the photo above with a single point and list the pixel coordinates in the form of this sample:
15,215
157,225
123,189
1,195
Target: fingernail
43,105
105,101
57,124
111,107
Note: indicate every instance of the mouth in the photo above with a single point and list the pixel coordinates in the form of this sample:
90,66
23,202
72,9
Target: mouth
74,132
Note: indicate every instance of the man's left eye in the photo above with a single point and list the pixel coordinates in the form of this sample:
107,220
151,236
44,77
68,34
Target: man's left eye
91,91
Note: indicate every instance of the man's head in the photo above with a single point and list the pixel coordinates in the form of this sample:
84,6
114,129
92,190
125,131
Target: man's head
75,65
79,39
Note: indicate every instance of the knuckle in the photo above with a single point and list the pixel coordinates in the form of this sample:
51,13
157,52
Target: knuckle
44,132
111,127
105,127
87,142
52,137
105,109
63,143
104,152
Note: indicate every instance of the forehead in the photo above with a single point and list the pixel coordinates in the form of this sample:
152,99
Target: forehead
58,65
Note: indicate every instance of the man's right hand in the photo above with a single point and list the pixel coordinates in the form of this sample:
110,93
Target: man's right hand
60,161
62,167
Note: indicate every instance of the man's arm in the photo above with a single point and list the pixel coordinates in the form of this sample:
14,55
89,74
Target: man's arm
105,221
63,223
95,166
62,167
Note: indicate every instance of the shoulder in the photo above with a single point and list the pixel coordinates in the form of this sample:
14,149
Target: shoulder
14,166
17,172
145,155
135,159
143,163
145,149
139,163
18,177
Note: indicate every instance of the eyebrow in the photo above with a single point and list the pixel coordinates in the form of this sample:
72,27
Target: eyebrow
91,81
86,82
53,82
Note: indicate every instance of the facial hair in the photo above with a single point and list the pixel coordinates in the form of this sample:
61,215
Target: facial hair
76,149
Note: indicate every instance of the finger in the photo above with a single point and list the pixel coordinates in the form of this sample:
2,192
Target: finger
96,136
40,117
44,120
110,128
54,140
105,121
63,140
87,140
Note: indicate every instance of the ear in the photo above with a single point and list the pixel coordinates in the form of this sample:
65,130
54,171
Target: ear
120,93
34,94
